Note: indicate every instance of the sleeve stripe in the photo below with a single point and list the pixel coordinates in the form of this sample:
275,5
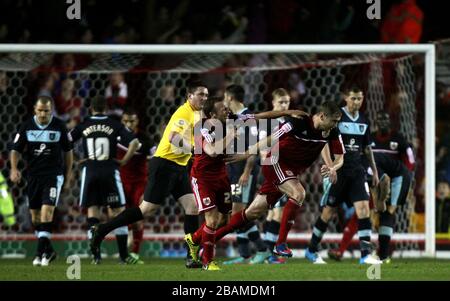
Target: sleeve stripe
410,154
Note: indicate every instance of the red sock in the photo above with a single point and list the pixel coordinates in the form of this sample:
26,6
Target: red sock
137,240
197,236
350,230
237,220
208,243
287,220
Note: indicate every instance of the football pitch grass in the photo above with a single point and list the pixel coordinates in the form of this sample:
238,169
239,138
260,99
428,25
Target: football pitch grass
174,270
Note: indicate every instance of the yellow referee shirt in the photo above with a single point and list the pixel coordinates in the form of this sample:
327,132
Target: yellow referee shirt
181,122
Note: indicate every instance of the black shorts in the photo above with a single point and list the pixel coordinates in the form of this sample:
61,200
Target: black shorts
101,187
244,194
164,178
44,190
349,188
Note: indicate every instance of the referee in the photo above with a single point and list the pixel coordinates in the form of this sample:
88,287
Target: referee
168,173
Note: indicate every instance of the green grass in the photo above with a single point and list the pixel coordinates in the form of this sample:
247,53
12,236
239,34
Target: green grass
173,269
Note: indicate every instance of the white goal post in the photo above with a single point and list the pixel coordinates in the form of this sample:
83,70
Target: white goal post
427,49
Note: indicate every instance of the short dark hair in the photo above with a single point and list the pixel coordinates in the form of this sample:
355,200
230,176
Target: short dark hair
44,100
352,88
236,91
209,105
98,104
130,111
194,85
330,108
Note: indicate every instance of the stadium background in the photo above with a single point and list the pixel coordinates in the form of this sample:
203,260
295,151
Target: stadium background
155,84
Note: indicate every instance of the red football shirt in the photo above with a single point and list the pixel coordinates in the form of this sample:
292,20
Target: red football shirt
300,143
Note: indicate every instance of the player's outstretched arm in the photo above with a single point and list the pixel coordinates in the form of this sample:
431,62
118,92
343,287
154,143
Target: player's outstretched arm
272,115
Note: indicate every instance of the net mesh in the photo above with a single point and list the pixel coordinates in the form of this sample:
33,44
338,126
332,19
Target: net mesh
156,85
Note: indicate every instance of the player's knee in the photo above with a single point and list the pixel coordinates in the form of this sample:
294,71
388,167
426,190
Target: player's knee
299,195
362,211
277,214
391,209
148,209
327,213
212,223
189,205
255,212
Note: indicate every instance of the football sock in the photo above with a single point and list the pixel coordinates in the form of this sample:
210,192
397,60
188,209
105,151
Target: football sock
385,233
197,236
350,230
37,227
237,220
255,237
319,229
271,234
121,239
46,234
138,235
208,243
124,218
91,221
364,232
243,243
287,220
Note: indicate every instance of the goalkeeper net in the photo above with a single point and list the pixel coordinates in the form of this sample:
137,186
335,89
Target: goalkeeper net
155,84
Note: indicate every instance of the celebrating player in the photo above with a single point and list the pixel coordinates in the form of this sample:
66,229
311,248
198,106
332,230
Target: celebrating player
300,143
209,177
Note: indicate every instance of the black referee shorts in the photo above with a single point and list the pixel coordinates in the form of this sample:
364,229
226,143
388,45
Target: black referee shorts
164,178
44,190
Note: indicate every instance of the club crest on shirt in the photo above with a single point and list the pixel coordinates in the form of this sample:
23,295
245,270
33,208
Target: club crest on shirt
289,173
51,136
206,201
361,128
393,145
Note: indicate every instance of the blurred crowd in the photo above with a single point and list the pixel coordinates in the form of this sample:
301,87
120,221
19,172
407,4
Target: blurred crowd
221,21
